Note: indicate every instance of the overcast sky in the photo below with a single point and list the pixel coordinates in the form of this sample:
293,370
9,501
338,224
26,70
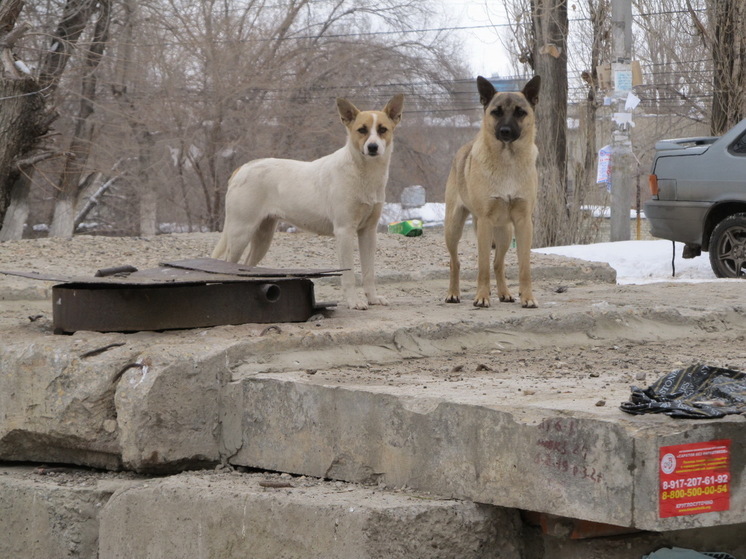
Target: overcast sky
485,50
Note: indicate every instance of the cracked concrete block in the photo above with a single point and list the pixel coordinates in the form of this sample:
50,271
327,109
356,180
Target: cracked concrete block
588,465
168,409
48,514
226,516
111,401
57,401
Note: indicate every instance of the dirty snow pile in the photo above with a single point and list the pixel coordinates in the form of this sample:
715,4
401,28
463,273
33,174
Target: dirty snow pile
635,262
638,262
431,213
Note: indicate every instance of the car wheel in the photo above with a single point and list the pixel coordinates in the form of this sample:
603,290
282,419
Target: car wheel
728,247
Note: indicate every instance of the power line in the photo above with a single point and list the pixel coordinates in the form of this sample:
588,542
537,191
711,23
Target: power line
391,32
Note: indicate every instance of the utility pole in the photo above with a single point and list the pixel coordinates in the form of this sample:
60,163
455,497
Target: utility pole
621,144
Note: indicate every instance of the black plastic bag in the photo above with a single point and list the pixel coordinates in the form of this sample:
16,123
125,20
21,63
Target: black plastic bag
697,392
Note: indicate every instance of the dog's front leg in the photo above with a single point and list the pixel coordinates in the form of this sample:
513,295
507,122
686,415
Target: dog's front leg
503,235
367,245
345,239
454,228
484,248
521,216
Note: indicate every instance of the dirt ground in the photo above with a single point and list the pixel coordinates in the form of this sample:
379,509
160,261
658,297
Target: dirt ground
634,333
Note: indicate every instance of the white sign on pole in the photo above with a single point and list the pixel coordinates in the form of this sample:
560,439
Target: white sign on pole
603,175
622,77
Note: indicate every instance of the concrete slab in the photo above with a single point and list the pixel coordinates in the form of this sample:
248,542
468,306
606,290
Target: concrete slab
236,516
64,512
76,513
53,512
564,456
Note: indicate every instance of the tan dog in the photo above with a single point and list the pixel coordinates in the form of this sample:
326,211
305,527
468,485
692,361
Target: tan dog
341,194
494,179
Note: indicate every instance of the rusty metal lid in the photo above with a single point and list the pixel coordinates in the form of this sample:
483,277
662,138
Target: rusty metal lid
197,270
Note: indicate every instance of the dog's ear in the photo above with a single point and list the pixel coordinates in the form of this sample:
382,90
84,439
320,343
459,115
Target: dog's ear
347,111
531,90
486,91
393,108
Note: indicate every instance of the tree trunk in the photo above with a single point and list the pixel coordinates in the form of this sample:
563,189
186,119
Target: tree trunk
72,24
550,26
22,123
25,115
23,119
63,221
728,46
147,194
18,210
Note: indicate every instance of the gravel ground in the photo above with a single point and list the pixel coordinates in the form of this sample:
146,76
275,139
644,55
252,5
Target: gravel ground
412,274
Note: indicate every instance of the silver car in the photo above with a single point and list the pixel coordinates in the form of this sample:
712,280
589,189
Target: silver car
699,198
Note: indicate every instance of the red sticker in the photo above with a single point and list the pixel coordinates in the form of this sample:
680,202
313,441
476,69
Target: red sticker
694,478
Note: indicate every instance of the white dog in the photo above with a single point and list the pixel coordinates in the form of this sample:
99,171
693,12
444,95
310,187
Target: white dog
341,194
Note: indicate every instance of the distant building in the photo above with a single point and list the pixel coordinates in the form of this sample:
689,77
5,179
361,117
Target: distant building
465,95
513,83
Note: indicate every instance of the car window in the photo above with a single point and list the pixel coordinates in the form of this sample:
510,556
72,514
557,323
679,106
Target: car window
739,146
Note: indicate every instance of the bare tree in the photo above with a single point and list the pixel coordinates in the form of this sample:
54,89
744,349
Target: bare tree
599,17
550,27
260,86
24,117
727,42
77,154
129,77
169,96
540,33
29,110
677,79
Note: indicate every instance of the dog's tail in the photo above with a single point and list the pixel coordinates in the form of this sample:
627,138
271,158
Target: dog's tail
221,249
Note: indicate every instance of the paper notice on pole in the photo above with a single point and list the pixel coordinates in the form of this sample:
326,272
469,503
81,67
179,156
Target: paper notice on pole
632,102
622,77
603,175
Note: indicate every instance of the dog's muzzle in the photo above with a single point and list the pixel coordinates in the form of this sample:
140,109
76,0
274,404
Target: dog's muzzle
507,134
371,149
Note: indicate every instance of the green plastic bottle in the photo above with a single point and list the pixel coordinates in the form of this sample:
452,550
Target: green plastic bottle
408,228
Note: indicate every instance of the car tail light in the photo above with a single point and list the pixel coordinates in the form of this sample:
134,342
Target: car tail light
653,179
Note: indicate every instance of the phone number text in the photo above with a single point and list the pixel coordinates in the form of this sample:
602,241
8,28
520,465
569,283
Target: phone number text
694,492
688,482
